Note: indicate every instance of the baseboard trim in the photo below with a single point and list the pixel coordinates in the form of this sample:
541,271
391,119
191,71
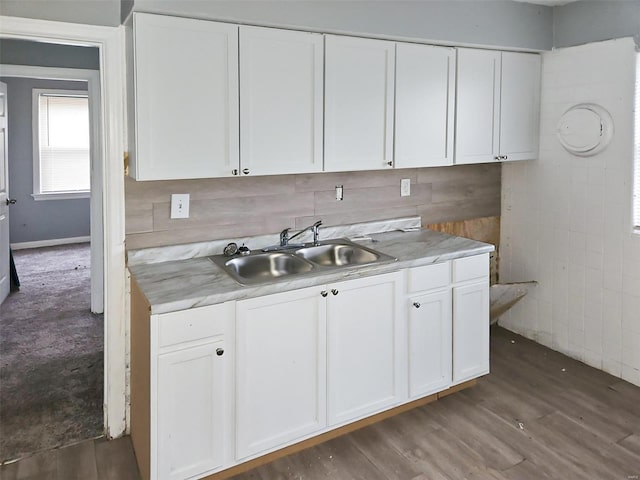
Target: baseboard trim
49,243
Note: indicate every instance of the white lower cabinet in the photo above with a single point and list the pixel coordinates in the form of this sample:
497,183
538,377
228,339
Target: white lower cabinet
366,366
190,411
191,397
225,383
281,369
471,320
429,343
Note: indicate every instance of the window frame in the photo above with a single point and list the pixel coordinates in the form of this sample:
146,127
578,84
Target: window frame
37,194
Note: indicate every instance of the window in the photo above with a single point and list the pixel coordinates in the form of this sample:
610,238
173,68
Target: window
636,154
61,144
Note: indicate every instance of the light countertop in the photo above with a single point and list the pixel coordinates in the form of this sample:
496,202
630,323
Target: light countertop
194,282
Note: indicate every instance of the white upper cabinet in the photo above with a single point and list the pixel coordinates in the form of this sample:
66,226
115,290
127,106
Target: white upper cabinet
281,101
186,98
498,106
425,99
478,106
359,103
520,106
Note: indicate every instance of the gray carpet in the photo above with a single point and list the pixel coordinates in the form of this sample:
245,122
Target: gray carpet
51,354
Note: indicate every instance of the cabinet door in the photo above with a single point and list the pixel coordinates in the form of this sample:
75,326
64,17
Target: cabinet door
365,347
281,369
359,86
425,94
520,106
478,106
281,101
186,97
470,331
190,411
429,343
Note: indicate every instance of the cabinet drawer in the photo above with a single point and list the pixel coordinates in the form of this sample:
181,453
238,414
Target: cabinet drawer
193,324
429,277
470,268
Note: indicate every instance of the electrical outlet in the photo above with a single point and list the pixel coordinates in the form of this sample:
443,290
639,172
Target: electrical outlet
405,187
180,205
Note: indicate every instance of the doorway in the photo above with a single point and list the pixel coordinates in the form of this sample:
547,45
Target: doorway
51,343
109,41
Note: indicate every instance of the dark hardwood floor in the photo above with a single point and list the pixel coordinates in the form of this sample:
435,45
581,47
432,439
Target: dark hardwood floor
538,415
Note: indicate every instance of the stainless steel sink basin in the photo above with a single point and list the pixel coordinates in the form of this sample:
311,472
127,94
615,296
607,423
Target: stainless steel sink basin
338,255
329,255
262,267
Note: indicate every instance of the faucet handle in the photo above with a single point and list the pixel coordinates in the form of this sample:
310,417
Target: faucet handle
284,237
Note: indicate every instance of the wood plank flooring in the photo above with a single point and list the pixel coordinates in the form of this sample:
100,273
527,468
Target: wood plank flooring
539,415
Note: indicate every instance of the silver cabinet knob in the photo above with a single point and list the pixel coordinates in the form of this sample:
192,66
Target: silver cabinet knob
245,171
324,293
234,171
416,304
504,157
11,201
497,157
334,291
220,351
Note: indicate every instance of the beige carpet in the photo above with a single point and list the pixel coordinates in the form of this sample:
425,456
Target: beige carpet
51,354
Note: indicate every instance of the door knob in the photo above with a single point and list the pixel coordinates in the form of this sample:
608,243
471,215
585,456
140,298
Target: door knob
334,291
11,201
416,304
220,351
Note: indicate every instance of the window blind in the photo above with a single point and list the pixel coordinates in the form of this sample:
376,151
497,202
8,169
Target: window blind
636,153
64,143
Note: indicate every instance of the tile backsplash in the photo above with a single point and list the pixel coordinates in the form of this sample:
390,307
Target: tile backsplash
241,206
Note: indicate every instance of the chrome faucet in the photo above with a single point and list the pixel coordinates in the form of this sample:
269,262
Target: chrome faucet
285,238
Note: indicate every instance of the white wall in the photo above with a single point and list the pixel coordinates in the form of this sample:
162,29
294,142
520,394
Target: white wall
92,12
582,22
498,23
567,220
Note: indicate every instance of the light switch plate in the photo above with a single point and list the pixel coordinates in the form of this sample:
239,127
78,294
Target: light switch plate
180,205
405,187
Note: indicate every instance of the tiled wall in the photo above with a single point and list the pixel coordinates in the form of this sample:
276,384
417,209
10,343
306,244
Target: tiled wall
232,207
566,220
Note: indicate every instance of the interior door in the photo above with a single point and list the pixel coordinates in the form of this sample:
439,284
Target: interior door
4,197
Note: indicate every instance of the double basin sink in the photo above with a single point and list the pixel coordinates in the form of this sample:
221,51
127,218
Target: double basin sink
264,267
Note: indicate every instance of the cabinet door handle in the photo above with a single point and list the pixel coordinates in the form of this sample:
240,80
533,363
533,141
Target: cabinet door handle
497,157
504,157
334,291
234,171
219,351
11,201
416,304
245,171
390,164
324,293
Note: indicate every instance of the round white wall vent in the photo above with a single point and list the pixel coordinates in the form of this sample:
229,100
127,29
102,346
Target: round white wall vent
585,129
